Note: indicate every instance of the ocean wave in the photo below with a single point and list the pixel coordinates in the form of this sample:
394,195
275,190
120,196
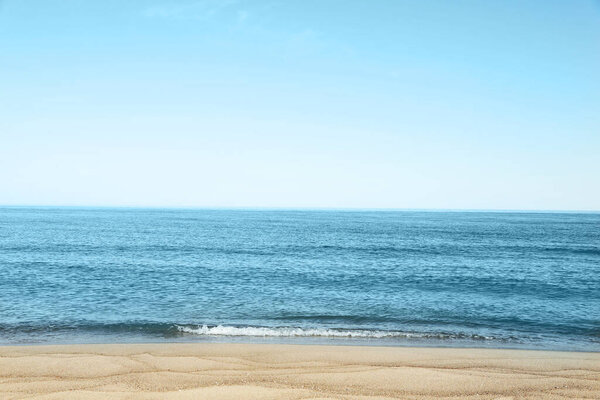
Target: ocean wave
259,331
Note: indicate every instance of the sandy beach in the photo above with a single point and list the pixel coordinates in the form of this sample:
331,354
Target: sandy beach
254,371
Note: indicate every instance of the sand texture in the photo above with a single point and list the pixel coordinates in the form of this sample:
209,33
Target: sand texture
253,371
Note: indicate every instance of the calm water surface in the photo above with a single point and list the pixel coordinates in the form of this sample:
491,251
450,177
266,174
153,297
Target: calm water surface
527,280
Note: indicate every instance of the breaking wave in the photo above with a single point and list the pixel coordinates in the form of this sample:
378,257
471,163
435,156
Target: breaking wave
259,331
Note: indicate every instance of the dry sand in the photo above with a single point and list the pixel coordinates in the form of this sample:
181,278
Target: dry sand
252,371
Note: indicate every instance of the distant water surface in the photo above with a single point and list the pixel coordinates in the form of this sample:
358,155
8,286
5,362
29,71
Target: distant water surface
487,279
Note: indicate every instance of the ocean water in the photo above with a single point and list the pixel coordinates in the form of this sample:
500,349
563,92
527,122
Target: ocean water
486,279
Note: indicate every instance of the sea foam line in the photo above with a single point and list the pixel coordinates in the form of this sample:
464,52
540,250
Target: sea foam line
221,330
255,331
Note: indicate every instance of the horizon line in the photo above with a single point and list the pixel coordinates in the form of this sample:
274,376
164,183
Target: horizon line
298,208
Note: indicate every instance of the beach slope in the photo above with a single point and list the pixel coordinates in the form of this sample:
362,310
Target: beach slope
254,371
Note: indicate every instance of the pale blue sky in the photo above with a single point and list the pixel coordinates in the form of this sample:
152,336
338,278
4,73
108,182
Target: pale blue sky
368,104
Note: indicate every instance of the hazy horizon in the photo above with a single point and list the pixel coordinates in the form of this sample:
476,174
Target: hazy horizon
284,208
301,105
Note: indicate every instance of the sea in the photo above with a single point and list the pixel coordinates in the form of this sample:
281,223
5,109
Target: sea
390,278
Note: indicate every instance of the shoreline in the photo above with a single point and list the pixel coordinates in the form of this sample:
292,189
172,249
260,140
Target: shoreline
308,341
292,371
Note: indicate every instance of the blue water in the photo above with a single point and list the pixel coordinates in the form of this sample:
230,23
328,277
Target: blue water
484,279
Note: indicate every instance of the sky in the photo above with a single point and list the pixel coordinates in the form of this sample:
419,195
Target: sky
301,104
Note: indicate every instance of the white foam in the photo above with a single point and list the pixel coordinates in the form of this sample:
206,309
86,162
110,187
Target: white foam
221,330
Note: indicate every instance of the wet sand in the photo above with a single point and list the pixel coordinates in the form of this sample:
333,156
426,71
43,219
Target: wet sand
255,371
